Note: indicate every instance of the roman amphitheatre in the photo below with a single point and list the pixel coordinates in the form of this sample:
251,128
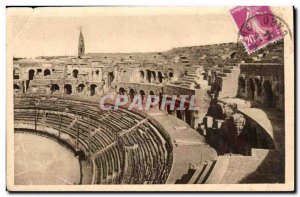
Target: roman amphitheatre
234,135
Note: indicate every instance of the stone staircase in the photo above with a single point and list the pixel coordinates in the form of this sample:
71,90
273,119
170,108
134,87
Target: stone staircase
203,172
188,81
72,123
227,77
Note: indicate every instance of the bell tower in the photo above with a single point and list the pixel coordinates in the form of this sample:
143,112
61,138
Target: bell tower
81,48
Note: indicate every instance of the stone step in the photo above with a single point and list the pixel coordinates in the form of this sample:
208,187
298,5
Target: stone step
196,174
218,171
185,86
191,75
222,74
205,174
185,83
226,70
188,80
187,77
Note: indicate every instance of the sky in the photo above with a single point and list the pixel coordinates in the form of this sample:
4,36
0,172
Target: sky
55,31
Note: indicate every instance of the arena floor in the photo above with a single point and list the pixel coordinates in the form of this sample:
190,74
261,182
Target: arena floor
42,161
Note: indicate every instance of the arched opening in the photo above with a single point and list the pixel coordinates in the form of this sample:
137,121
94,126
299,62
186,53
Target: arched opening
47,72
93,89
241,85
131,94
142,93
258,87
80,88
151,92
54,88
160,99
250,89
16,87
152,99
31,74
75,73
170,74
38,71
154,75
122,91
142,75
268,95
160,77
68,89
16,73
110,78
149,76
188,117
233,55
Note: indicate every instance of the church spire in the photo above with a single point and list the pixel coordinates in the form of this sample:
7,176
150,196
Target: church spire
81,48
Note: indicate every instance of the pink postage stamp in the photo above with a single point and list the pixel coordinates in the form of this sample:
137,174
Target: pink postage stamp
257,26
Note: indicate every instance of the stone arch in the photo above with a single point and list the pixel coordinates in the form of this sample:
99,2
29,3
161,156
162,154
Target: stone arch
16,87
131,94
154,75
75,73
233,55
258,87
152,99
242,85
250,89
93,89
151,92
160,94
80,88
47,72
160,77
68,89
188,117
111,78
38,71
31,73
268,95
148,77
122,91
142,93
54,88
142,75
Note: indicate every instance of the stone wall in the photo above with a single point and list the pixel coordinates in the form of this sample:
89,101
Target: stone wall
262,83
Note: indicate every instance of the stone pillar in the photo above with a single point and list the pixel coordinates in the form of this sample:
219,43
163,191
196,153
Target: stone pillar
74,90
145,76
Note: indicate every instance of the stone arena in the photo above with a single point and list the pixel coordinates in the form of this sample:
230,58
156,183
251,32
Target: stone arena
235,134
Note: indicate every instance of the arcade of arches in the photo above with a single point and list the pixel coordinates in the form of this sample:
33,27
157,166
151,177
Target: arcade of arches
262,90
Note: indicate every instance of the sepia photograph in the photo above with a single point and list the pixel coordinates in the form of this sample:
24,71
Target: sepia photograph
150,98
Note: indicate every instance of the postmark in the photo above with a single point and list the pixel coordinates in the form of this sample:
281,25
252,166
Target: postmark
258,26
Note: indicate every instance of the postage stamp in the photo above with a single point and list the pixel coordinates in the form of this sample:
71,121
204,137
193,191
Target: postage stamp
257,26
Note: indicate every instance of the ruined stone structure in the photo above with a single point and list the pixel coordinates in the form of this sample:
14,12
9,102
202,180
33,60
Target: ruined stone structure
213,73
